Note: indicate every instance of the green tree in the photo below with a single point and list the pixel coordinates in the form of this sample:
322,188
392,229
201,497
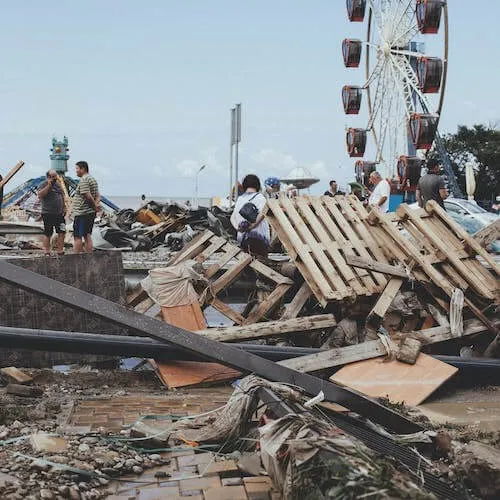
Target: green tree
480,145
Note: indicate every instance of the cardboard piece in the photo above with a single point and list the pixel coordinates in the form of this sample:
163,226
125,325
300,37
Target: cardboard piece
397,381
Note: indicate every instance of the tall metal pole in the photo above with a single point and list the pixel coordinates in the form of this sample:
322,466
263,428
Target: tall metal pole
231,144
238,139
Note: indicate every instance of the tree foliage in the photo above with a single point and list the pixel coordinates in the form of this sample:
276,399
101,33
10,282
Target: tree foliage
481,146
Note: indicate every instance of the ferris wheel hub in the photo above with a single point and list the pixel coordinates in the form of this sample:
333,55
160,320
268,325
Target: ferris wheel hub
386,48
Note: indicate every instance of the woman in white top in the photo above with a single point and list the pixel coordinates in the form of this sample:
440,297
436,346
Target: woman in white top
254,237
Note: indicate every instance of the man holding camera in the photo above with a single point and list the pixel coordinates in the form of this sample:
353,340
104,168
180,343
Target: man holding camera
53,212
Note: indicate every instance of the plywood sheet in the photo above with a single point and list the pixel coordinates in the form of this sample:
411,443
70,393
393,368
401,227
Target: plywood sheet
185,373
397,381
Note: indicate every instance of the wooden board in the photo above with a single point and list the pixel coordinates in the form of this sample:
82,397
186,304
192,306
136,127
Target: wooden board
318,233
19,376
397,381
186,373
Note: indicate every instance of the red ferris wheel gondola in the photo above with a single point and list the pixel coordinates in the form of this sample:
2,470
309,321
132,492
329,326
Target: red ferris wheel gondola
351,52
409,171
351,99
423,130
362,170
429,73
428,14
356,10
356,142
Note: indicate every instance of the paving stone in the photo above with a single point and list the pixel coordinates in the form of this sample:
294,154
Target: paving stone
157,493
6,478
258,488
194,459
43,442
224,468
226,493
201,483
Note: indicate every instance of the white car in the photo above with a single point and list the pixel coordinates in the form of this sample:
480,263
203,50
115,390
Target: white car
457,206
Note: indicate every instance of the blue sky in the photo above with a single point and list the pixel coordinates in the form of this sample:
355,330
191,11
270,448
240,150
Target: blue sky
143,89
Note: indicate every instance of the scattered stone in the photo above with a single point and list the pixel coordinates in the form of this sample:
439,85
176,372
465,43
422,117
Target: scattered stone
137,470
46,494
84,448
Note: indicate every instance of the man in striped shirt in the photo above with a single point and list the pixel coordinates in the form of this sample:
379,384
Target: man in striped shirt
86,202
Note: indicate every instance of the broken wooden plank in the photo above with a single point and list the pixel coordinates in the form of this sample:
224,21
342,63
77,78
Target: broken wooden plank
269,273
298,302
397,381
27,391
488,234
266,305
372,265
374,348
13,171
433,207
279,327
383,303
19,376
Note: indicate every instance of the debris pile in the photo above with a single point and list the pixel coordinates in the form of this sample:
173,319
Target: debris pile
352,320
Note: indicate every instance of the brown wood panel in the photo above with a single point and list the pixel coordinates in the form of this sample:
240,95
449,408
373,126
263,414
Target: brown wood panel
397,381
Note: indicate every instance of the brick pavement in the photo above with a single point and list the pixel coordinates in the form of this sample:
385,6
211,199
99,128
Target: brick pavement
220,479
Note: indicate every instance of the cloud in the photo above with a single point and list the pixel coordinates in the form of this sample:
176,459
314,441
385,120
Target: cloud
188,168
275,160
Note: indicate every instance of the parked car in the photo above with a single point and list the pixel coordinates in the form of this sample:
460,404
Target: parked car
469,208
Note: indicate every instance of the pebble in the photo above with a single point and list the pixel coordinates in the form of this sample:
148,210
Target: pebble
63,490
137,470
74,493
46,494
84,448
155,457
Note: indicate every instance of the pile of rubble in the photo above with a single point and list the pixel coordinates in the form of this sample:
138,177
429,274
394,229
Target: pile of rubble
361,312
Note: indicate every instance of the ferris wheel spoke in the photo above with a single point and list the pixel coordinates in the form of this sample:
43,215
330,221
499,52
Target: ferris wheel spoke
379,95
378,17
407,13
407,34
413,82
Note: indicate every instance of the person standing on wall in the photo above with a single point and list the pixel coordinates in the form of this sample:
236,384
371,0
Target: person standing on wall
379,197
85,206
431,185
53,212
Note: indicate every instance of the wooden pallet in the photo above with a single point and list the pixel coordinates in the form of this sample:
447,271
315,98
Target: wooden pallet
318,233
229,261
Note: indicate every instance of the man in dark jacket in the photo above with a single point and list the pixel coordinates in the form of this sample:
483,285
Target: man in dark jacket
53,211
431,185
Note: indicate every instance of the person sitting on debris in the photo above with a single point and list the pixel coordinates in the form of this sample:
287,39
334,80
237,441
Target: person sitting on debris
53,212
379,197
272,187
86,202
431,185
333,191
253,237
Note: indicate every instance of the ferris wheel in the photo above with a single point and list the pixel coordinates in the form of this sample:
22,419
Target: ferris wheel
403,86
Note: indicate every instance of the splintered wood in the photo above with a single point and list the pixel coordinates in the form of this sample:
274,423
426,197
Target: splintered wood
229,261
319,233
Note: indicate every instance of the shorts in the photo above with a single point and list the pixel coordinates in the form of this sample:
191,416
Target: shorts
51,222
83,225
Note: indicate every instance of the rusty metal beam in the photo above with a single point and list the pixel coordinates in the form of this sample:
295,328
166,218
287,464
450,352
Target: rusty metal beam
209,349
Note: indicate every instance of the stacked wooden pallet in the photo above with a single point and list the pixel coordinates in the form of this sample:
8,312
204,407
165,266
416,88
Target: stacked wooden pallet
229,261
319,233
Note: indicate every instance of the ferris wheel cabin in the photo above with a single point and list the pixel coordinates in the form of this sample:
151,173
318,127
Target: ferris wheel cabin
422,130
362,171
356,142
351,52
409,171
356,10
351,99
429,73
428,14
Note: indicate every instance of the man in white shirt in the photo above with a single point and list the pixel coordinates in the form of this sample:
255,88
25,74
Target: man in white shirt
379,198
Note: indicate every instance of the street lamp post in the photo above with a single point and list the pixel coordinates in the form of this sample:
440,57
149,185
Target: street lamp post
196,186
